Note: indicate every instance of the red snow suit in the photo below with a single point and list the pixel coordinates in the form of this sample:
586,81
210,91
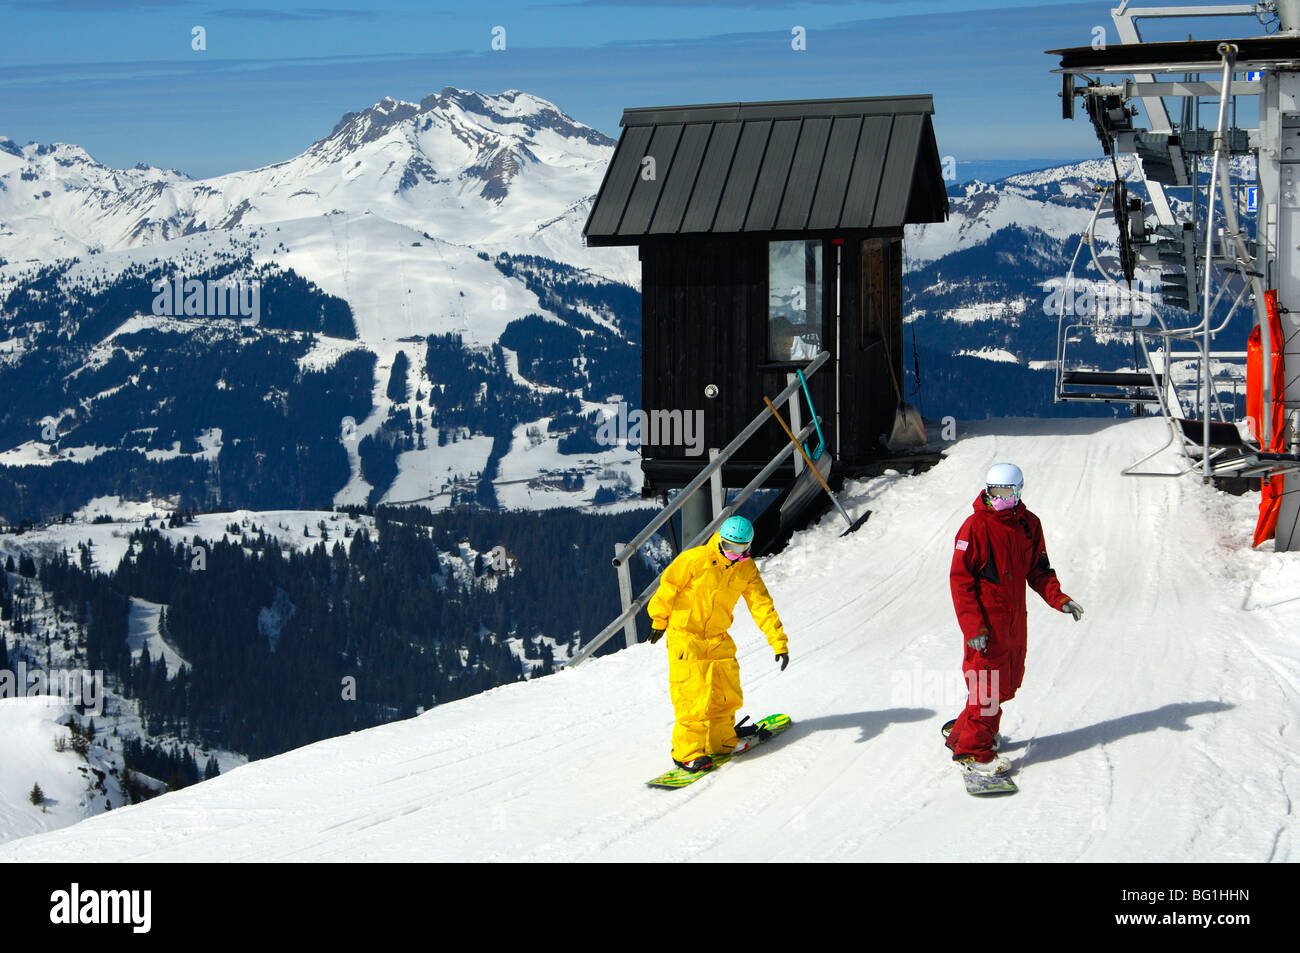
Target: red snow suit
997,554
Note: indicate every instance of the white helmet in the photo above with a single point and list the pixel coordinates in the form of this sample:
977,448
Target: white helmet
1005,474
1002,486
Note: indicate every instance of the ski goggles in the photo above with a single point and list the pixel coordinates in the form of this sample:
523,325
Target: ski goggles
734,551
1003,497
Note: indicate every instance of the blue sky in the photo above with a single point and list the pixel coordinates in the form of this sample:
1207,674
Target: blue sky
120,77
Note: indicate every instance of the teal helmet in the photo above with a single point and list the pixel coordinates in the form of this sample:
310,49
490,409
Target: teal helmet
734,538
737,529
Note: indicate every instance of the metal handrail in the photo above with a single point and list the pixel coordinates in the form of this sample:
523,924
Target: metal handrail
1069,280
716,463
644,598
710,472
1164,396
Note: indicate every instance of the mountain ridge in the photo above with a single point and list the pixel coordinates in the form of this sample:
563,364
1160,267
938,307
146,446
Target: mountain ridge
508,173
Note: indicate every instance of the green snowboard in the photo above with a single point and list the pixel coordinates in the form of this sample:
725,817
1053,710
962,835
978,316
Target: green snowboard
680,777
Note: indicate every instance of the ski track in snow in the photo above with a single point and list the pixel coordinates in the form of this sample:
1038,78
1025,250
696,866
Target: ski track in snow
1122,735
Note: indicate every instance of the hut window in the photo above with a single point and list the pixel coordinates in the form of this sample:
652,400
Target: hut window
794,300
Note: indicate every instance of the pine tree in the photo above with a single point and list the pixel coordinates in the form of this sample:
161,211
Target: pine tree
37,796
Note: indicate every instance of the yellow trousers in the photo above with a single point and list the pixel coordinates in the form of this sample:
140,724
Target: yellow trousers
704,683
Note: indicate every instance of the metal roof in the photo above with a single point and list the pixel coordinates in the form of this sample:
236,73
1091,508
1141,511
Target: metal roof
805,166
1179,56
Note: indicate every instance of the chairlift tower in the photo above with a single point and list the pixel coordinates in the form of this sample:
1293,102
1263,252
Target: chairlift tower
1202,229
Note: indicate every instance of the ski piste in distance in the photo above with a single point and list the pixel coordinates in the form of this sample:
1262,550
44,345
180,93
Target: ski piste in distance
680,777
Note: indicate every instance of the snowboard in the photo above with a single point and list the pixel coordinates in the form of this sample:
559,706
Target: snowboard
680,777
982,785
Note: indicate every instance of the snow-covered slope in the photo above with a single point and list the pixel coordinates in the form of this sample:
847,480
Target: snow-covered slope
74,786
110,541
1162,727
1057,201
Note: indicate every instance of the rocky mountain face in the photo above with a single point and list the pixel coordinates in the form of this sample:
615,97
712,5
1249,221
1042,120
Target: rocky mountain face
440,237
508,173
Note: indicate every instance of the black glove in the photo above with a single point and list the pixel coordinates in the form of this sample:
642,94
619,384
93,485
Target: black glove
656,635
784,659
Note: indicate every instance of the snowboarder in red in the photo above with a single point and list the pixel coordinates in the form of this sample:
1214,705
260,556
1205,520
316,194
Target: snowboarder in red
999,551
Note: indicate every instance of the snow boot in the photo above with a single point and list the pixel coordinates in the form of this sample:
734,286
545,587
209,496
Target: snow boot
743,744
995,765
702,763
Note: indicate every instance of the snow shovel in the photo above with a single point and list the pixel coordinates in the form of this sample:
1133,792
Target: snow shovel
853,524
909,431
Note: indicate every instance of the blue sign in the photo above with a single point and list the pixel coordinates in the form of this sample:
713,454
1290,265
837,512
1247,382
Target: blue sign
1250,76
1252,199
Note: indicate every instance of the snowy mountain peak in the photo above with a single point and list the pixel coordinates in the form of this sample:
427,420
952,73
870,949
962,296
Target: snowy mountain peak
473,118
457,138
507,171
367,125
515,107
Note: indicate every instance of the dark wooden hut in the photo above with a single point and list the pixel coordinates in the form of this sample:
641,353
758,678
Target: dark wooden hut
768,232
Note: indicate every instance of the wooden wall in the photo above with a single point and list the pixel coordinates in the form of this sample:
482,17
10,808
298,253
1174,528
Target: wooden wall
873,341
704,321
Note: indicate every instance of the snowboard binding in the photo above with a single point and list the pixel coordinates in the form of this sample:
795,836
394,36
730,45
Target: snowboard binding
751,731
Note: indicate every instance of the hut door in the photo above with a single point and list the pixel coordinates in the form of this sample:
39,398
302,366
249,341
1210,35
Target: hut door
880,334
799,325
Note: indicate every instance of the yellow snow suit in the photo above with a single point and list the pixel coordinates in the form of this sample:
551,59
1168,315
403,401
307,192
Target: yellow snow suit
693,604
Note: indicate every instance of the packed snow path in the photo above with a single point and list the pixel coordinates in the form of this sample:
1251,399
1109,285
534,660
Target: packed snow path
1160,728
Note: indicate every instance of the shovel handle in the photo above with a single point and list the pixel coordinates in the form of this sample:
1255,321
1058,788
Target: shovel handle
798,446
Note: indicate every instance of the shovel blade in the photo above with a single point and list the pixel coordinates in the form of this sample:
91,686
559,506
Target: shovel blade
909,430
857,523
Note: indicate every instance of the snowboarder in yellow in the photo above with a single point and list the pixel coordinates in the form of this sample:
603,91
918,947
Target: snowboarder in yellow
693,605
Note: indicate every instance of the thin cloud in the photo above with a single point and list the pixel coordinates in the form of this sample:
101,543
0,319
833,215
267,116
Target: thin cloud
887,7
298,14
96,6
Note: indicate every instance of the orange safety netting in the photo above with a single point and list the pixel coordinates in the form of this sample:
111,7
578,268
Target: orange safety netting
1270,490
